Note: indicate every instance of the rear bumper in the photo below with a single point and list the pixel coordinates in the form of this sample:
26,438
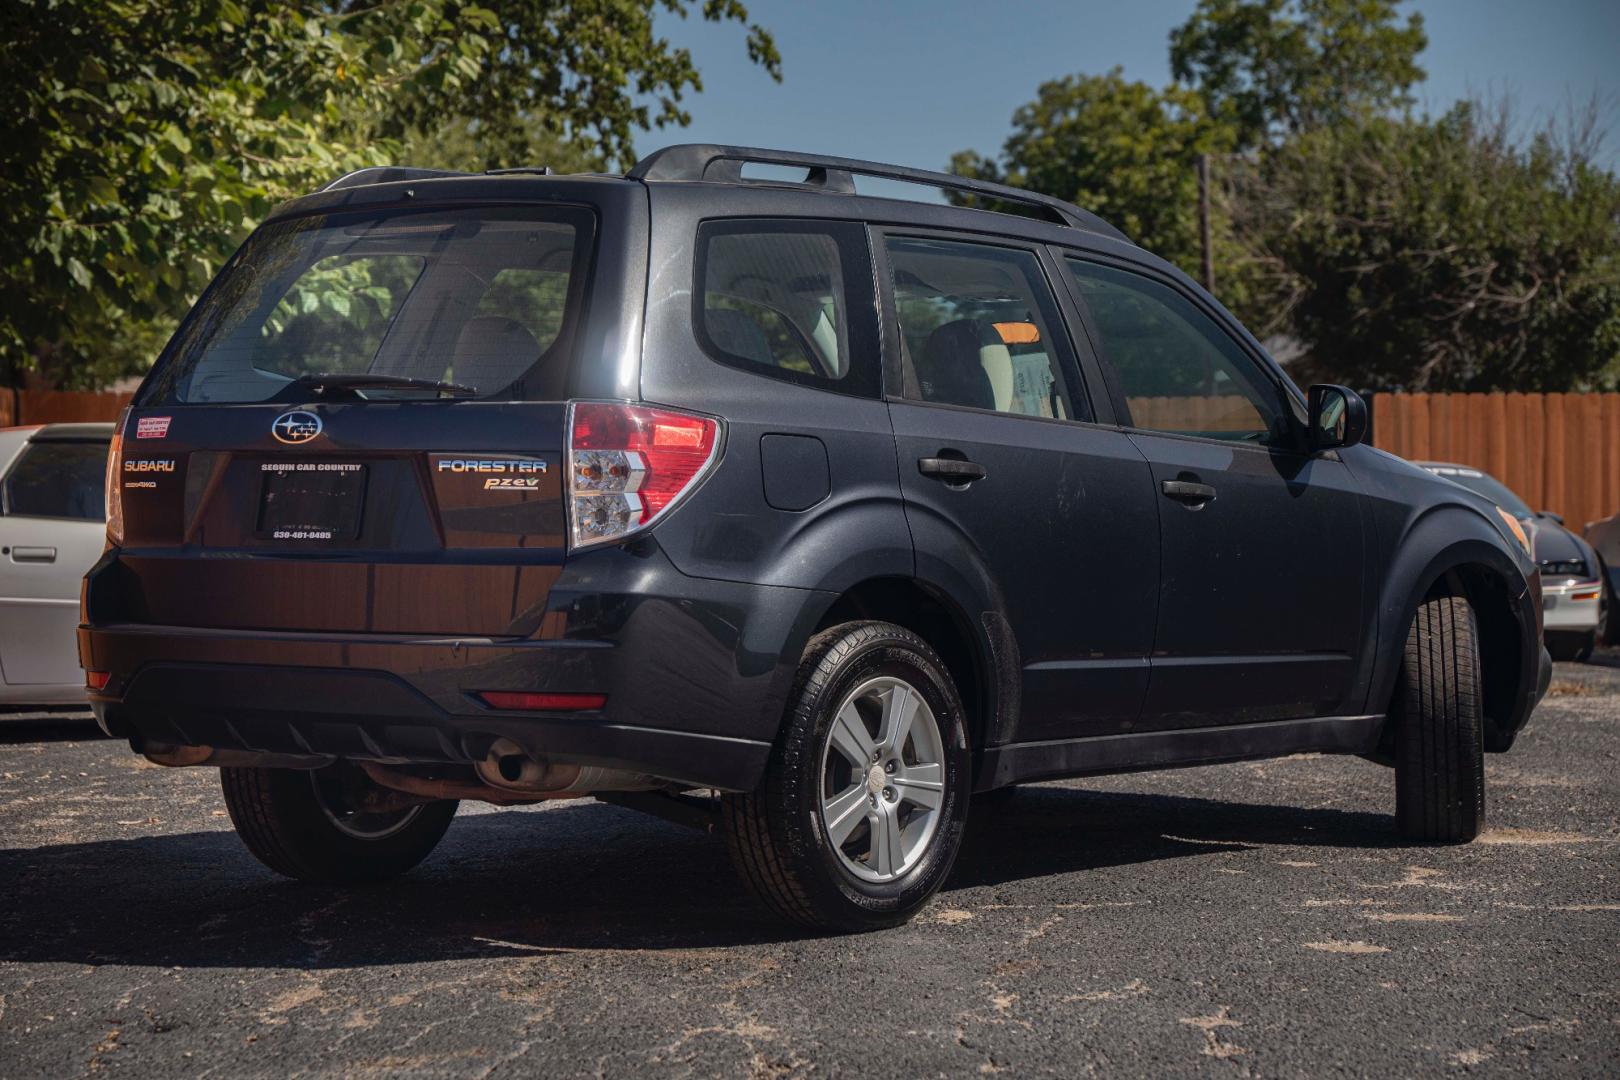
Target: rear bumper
1572,607
696,673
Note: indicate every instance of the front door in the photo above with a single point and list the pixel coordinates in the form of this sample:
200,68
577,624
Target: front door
1004,475
50,533
1260,600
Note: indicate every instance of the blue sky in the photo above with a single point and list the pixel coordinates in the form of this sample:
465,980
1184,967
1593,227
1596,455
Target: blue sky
912,82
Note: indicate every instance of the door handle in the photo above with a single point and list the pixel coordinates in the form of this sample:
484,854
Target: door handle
951,470
33,554
1190,493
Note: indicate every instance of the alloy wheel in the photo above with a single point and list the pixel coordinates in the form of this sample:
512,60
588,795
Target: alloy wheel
882,779
334,801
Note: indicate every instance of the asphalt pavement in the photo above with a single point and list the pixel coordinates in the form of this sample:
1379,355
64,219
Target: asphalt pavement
1255,919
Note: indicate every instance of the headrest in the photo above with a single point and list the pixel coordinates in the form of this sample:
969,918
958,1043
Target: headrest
949,369
737,333
492,351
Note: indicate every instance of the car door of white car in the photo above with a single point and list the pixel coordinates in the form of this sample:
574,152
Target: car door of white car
51,531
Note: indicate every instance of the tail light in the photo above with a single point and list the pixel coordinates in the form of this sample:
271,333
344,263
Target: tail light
113,496
627,464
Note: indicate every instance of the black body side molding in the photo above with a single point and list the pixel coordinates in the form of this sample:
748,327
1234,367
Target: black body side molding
1147,750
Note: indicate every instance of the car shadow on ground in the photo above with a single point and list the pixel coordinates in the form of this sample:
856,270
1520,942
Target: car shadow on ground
1605,657
32,725
584,876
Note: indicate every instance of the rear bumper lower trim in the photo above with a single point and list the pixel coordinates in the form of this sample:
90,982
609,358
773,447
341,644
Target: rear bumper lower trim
365,715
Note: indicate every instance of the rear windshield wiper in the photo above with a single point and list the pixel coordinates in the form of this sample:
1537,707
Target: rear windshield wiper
323,382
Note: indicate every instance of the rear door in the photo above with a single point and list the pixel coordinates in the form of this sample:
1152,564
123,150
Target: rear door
271,479
1260,605
51,532
1003,467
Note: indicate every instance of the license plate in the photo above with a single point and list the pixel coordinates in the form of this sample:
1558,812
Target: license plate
311,500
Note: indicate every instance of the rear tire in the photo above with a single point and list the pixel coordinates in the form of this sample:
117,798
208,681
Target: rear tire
835,845
1439,726
300,823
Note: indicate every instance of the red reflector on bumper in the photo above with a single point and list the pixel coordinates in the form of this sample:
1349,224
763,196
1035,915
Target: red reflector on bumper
97,680
512,699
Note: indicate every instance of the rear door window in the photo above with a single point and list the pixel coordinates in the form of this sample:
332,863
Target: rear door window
792,300
485,297
58,480
978,328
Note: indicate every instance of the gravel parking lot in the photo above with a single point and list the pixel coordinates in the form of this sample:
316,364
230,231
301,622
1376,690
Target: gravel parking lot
1248,919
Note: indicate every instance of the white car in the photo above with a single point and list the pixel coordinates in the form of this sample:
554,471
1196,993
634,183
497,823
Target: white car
52,529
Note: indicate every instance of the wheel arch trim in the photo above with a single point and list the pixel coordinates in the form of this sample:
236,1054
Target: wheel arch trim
1452,541
975,621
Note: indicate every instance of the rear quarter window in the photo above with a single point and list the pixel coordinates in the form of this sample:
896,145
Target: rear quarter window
791,300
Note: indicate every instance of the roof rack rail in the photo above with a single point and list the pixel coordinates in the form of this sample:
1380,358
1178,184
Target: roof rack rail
388,174
723,164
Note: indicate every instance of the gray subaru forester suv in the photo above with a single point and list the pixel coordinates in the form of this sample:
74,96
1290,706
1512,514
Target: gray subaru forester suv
763,504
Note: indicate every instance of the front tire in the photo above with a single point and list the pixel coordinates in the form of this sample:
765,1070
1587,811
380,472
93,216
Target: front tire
309,824
861,811
1439,726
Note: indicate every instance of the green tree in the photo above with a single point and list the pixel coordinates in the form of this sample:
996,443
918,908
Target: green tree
1396,252
141,139
571,84
1118,148
1440,254
1271,68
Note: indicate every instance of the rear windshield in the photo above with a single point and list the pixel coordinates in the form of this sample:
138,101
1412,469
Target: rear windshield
486,298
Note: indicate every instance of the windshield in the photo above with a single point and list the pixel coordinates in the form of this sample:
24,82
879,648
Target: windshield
486,298
1486,485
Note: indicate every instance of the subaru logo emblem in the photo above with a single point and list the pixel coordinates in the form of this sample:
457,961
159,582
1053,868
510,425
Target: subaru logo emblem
296,427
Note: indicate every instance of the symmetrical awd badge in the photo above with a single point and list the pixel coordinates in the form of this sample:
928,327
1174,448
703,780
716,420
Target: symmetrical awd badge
297,426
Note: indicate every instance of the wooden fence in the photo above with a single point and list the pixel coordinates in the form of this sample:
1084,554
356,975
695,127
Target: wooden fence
1560,452
58,406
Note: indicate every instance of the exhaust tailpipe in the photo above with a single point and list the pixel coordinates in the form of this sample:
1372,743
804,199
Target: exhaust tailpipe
509,767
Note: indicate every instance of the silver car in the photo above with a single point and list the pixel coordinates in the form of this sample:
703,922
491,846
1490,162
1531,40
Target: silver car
1574,594
52,529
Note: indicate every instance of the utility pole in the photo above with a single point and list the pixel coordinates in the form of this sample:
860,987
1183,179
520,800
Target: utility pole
1208,262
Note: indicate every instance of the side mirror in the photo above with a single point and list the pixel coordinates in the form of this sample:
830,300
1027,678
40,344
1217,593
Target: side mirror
1338,417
